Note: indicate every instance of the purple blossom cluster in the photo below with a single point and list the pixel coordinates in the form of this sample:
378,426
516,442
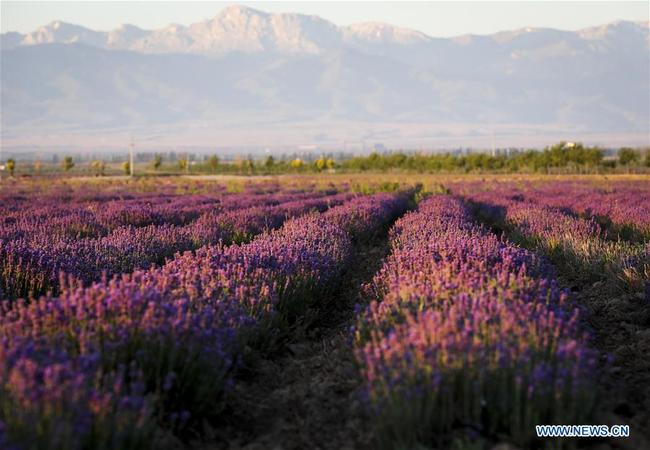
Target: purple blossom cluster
33,251
87,369
582,247
622,208
282,267
78,215
466,332
119,363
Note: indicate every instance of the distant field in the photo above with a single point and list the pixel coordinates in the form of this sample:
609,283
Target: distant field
374,310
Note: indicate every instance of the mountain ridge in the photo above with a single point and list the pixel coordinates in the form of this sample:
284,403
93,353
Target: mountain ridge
299,75
288,29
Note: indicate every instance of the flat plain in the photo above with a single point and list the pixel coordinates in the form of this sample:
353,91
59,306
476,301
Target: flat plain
395,311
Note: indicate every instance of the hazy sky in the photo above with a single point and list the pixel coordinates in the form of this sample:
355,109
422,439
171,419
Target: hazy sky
434,18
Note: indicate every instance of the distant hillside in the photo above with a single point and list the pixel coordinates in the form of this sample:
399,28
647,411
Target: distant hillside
214,80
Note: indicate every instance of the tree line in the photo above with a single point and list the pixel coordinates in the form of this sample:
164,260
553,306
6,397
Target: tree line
563,156
560,158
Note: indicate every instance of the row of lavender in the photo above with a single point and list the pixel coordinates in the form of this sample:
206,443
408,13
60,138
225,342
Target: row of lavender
621,208
582,247
80,217
30,265
467,335
121,364
43,193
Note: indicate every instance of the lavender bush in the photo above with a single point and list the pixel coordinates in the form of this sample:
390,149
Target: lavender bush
113,364
467,333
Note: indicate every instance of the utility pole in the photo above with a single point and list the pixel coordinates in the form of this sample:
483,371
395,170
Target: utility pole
131,157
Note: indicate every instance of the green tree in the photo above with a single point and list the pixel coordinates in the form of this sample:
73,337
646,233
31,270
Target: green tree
249,165
183,164
296,164
11,166
213,162
68,163
557,154
396,160
157,162
126,166
269,162
320,164
628,156
330,164
593,156
98,166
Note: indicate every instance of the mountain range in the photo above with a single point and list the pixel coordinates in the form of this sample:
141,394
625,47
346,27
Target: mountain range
250,78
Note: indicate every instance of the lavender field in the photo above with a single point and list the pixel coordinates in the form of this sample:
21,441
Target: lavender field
424,312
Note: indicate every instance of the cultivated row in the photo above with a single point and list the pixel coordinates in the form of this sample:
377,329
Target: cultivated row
119,364
466,335
31,266
51,218
579,246
621,208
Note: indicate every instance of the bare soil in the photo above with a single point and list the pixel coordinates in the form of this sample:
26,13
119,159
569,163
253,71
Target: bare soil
621,326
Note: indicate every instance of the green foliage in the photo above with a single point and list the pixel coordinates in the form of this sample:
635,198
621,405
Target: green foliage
213,163
320,164
248,166
628,156
562,155
11,166
99,167
157,162
126,165
68,163
373,188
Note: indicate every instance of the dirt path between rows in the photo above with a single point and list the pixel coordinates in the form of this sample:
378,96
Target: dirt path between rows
621,325
308,397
